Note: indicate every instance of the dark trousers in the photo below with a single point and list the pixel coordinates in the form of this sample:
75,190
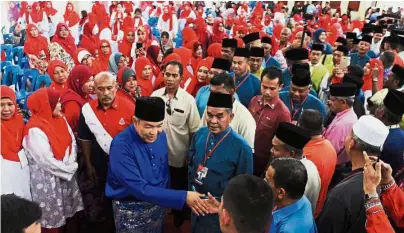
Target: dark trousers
179,181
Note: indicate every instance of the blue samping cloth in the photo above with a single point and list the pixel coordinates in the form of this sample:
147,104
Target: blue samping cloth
138,217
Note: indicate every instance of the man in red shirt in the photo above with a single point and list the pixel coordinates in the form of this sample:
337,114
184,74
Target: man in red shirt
268,111
320,151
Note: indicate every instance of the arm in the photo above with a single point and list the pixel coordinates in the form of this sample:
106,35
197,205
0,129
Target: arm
393,202
377,221
85,137
245,162
38,147
193,120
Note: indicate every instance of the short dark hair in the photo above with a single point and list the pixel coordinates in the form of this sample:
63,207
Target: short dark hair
18,213
165,34
224,79
311,120
391,117
250,201
175,63
291,175
168,52
356,70
138,10
272,73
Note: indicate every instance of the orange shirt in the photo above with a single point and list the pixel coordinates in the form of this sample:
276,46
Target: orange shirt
323,155
397,59
72,110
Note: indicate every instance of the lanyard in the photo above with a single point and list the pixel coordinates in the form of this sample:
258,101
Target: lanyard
208,154
241,83
297,110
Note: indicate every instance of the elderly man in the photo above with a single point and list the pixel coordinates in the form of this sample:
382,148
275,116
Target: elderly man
217,154
344,209
100,121
138,177
285,36
287,146
361,58
228,48
255,61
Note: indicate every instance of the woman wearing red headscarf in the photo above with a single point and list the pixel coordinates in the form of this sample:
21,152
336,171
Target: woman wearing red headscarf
215,50
143,35
197,53
36,44
72,19
117,18
125,45
50,146
155,56
168,22
204,37
186,55
14,169
128,88
219,32
201,76
81,85
144,76
187,11
57,70
49,10
104,54
37,14
188,37
64,38
374,69
89,38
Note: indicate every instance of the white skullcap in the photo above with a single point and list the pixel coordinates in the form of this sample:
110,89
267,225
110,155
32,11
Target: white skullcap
379,96
82,54
371,130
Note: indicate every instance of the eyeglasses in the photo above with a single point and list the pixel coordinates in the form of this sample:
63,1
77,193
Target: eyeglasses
168,109
104,46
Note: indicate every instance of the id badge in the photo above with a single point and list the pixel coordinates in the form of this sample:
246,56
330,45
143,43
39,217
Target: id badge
201,173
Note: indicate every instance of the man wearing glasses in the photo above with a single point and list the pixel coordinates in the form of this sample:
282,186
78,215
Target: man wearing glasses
180,123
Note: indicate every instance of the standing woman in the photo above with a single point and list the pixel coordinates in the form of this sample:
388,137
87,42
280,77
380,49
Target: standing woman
14,166
89,38
320,37
144,36
145,77
81,86
40,19
197,53
168,22
104,54
128,88
72,19
125,45
36,44
116,61
201,76
51,151
58,72
166,42
155,56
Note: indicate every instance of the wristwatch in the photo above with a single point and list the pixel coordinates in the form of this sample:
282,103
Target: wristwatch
369,196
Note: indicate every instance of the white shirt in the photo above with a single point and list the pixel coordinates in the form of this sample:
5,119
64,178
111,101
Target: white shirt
313,185
183,121
165,26
243,122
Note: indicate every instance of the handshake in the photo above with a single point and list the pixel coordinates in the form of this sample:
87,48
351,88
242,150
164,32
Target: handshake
202,204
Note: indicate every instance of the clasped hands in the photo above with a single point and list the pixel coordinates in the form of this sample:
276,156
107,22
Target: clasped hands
201,205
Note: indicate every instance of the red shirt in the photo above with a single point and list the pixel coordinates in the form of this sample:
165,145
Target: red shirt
72,110
323,155
267,117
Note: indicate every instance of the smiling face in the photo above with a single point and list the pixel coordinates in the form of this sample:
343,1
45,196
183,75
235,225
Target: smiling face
141,35
148,131
202,74
7,109
198,51
130,37
60,75
131,84
366,69
64,33
323,37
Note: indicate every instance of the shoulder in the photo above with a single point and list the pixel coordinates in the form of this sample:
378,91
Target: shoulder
284,94
241,141
158,92
314,99
186,96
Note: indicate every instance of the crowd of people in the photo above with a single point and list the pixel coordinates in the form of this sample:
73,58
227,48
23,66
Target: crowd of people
230,116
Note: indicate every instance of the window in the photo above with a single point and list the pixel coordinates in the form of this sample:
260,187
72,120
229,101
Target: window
354,5
335,4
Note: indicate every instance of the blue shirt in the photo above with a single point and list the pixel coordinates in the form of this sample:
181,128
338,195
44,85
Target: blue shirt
286,77
297,217
247,86
393,149
357,60
312,91
297,108
139,170
372,54
202,98
271,62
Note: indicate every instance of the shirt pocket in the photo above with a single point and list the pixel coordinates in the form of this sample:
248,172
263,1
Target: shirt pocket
267,122
177,118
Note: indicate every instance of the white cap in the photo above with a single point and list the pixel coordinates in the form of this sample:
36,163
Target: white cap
371,130
82,54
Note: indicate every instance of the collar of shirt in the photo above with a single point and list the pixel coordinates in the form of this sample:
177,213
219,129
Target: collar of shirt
138,139
177,93
241,78
280,214
343,112
396,126
221,134
115,104
272,103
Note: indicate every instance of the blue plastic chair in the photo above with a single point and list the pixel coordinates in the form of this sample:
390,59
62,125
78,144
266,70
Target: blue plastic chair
30,75
40,80
4,64
10,75
7,48
8,37
19,57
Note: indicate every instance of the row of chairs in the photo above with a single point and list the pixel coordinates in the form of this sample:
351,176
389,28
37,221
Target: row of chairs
15,55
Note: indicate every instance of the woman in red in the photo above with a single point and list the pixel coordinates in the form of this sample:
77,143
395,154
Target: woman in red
57,70
128,88
204,37
197,53
89,38
81,85
373,67
72,19
144,75
14,172
125,45
64,38
155,56
201,76
36,44
117,18
143,35
104,54
37,14
49,10
215,50
219,32
188,36
83,57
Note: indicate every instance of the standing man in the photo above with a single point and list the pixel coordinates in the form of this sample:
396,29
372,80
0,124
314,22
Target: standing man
317,70
344,209
268,111
228,48
341,100
138,177
247,84
100,121
298,98
217,154
255,61
269,61
287,146
339,53
294,56
361,58
252,39
180,123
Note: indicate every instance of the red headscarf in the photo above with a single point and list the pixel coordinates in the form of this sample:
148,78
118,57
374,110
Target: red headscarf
168,16
215,50
194,59
218,36
67,43
129,22
61,88
124,46
11,129
145,84
36,16
23,11
71,16
34,45
152,54
195,85
103,59
201,31
50,11
188,36
367,79
185,13
88,40
55,128
79,75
